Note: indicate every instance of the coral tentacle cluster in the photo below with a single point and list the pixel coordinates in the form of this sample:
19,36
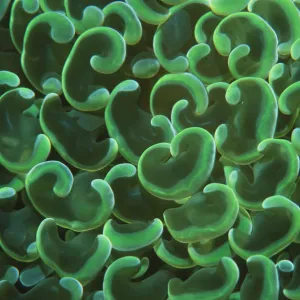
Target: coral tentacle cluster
149,149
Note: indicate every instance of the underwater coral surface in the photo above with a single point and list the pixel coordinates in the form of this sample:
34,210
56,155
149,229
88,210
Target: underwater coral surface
149,150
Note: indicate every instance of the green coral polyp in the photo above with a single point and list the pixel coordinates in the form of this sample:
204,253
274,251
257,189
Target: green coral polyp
193,148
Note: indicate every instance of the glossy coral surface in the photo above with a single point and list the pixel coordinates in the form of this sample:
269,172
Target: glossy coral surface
149,150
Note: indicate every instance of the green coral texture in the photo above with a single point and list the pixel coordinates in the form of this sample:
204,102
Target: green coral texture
149,150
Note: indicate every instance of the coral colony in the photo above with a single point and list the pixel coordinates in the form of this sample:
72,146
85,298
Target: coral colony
149,149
